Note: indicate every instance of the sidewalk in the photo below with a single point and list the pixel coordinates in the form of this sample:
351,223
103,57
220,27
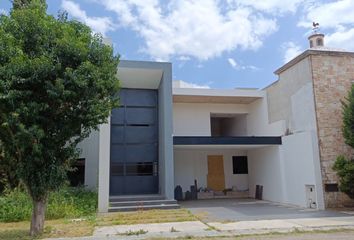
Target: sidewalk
218,229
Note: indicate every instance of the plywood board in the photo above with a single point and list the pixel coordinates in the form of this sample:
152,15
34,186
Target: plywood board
216,176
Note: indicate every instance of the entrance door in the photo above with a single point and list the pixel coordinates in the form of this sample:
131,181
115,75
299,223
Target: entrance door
216,176
134,143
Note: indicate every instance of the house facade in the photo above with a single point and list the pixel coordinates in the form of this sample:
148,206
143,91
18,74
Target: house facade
279,142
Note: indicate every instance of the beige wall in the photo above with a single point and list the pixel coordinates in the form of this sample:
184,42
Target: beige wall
332,79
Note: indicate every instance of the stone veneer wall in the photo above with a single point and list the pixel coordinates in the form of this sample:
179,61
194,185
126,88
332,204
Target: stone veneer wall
333,74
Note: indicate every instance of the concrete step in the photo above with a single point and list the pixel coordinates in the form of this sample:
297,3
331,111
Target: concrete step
143,207
141,203
136,198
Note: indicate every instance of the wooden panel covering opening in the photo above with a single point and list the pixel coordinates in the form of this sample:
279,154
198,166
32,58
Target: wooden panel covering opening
216,176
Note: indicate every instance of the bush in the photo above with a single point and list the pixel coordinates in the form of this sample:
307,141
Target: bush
345,170
16,205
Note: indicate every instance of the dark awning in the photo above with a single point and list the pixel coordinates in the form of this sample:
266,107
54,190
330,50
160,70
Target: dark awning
182,140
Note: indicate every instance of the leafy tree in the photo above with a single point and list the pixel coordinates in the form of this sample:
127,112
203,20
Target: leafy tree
24,3
343,166
57,83
345,171
348,118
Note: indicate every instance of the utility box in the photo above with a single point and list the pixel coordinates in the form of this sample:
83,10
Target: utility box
311,196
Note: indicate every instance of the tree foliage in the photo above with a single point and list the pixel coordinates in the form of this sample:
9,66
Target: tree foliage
345,170
343,166
57,83
348,118
17,4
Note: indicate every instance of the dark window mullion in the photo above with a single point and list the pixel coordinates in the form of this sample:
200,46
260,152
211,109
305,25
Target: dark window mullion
124,140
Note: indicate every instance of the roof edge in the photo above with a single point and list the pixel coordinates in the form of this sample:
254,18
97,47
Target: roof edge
309,52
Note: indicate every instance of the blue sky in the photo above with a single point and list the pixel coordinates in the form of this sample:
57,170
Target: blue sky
213,43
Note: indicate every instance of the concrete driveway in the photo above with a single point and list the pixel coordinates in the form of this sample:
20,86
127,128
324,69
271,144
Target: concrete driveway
224,210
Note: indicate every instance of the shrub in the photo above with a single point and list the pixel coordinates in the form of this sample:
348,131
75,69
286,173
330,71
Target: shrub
345,170
15,205
67,202
343,166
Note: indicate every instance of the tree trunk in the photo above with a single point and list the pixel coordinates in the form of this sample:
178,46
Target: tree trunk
37,222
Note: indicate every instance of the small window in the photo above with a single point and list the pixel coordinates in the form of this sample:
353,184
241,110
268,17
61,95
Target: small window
331,187
240,165
77,176
311,44
319,42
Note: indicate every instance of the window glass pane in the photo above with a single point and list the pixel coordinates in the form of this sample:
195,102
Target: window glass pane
117,169
117,116
142,116
141,134
140,169
140,97
117,134
141,153
240,165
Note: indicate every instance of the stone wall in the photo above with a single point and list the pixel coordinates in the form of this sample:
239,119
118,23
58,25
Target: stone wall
333,74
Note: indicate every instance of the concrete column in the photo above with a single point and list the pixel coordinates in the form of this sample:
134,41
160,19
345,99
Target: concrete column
90,152
166,164
103,167
317,171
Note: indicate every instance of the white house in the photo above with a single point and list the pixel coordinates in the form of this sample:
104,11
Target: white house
228,142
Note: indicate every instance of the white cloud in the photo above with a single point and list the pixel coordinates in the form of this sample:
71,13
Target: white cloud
341,39
201,29
270,6
330,15
238,66
291,50
183,84
98,24
184,58
336,18
232,62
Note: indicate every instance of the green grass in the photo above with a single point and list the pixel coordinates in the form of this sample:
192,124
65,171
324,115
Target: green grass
67,202
84,227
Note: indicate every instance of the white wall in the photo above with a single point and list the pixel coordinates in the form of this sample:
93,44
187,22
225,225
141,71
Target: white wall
302,108
285,170
89,150
257,121
279,94
264,168
193,119
298,155
193,164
